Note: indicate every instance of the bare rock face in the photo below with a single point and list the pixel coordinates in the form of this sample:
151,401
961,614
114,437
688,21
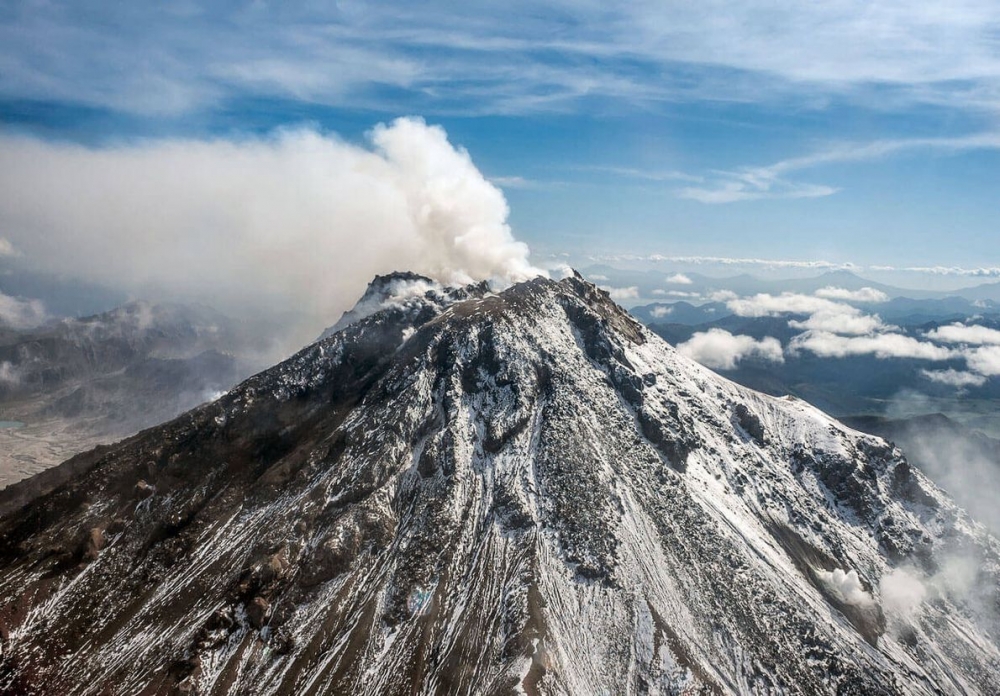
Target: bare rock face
258,612
461,491
94,543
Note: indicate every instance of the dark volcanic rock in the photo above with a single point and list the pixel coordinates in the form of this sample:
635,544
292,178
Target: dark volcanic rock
750,423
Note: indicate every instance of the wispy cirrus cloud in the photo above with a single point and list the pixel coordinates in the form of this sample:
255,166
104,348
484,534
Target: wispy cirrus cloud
805,264
646,175
511,57
733,187
798,264
772,181
515,181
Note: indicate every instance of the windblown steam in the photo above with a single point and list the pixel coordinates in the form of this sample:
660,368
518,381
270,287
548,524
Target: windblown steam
299,220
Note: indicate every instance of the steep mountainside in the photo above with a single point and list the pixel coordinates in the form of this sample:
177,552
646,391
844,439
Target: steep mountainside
523,492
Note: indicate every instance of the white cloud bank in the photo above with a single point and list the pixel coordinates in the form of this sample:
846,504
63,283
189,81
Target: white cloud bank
985,360
719,349
861,295
839,322
954,378
835,329
766,305
963,333
830,341
299,219
884,345
825,315
619,294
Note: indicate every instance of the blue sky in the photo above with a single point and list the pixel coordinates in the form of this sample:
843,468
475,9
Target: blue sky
846,131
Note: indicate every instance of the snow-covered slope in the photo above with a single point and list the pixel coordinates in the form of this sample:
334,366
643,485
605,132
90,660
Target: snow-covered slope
522,492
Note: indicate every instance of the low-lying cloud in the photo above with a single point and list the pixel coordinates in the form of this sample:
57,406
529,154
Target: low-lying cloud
985,360
965,333
767,305
835,328
884,345
719,349
298,220
619,294
839,322
955,378
20,313
825,314
860,295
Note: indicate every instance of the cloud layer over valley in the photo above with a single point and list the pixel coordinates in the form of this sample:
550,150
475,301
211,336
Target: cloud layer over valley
836,323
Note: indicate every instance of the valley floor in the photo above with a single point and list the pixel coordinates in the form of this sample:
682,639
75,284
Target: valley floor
34,447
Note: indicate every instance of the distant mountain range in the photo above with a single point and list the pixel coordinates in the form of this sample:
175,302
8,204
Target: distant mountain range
652,284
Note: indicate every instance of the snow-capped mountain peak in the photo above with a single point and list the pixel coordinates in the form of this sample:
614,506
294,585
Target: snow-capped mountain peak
513,492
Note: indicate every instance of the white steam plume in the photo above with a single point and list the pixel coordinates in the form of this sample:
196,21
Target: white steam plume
846,585
298,221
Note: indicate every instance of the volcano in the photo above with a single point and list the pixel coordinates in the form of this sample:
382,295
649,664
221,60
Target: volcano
458,490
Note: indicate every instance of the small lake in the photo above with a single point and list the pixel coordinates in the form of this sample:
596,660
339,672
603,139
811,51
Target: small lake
10,424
